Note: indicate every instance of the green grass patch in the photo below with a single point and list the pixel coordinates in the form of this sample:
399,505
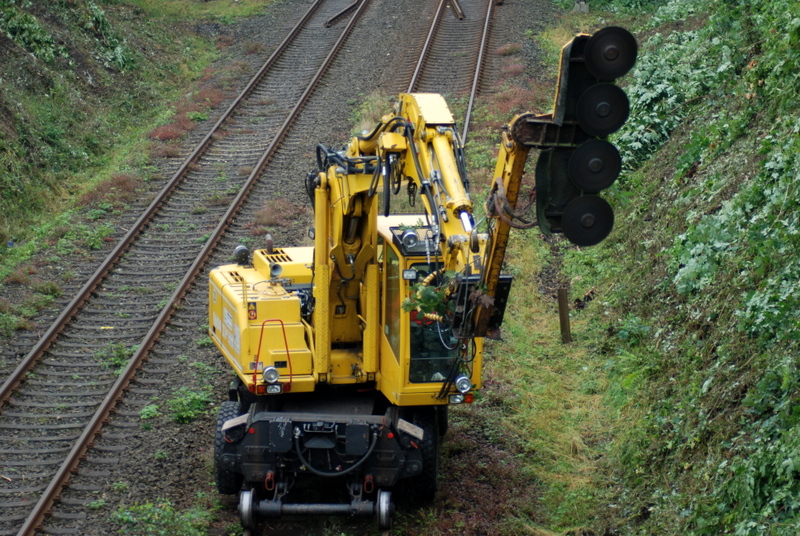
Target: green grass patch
225,12
189,403
161,517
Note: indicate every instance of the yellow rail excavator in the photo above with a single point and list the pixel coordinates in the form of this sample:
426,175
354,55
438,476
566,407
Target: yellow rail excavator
348,353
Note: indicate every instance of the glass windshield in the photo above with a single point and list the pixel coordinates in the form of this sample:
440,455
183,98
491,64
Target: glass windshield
431,342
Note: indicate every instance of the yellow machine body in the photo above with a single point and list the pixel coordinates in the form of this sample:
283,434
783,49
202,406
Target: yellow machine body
256,323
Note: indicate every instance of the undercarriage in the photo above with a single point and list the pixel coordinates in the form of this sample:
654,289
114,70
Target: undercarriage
266,448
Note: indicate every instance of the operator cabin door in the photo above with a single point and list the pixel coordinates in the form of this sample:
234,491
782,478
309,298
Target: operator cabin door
392,374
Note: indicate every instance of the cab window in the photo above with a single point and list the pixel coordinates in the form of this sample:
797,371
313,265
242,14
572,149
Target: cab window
393,299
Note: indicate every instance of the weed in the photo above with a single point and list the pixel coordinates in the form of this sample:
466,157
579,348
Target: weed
205,342
166,150
162,518
116,355
35,303
116,190
187,404
197,116
120,487
96,504
144,291
254,48
26,31
202,369
509,49
150,411
217,200
18,277
168,132
513,69
277,212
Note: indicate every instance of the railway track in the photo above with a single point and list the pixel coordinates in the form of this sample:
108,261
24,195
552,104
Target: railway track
59,397
452,54
60,394
454,51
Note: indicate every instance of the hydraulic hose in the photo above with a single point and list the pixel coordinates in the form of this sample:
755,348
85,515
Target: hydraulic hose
350,469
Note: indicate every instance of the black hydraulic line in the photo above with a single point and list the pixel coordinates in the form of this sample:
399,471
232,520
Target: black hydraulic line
381,126
461,160
426,186
373,185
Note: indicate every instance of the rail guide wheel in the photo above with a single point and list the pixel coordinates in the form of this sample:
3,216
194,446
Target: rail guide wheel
247,509
384,508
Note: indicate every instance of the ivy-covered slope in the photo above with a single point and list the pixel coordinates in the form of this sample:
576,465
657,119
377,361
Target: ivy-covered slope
703,275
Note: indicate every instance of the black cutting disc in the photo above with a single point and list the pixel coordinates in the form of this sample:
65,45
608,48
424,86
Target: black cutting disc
594,166
602,109
610,53
587,220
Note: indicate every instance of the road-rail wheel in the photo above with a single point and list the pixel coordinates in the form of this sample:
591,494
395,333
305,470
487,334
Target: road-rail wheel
384,508
229,482
421,489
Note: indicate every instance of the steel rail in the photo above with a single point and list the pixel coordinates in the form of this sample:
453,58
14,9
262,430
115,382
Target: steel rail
80,299
424,53
478,69
478,64
70,464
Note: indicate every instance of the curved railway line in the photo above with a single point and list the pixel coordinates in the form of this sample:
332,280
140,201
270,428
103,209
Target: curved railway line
91,360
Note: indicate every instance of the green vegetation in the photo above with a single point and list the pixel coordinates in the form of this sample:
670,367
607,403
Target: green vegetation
116,356
119,69
49,159
161,518
150,411
687,352
126,72
189,403
675,409
120,487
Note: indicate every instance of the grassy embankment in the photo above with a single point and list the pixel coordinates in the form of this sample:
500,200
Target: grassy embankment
90,91
675,410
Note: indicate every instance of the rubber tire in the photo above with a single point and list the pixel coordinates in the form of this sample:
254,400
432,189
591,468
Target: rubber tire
444,419
423,486
228,482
